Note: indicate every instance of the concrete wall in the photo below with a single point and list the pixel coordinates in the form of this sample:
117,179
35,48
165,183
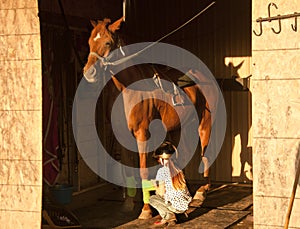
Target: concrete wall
276,109
20,115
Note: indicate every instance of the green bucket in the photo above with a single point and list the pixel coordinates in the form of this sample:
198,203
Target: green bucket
62,193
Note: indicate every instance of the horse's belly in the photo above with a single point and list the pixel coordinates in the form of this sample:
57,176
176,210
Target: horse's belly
177,116
142,105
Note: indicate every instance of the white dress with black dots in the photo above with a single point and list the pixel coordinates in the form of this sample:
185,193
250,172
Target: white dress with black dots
179,199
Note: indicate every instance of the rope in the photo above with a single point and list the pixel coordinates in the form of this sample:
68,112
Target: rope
120,61
187,22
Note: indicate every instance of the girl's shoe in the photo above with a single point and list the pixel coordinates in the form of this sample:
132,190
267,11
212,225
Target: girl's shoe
166,222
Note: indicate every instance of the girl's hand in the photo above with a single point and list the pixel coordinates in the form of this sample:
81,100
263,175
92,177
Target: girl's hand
160,189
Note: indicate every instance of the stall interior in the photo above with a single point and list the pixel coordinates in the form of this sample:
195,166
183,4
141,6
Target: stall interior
221,38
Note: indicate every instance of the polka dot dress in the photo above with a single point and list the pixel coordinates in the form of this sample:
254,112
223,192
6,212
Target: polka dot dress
179,199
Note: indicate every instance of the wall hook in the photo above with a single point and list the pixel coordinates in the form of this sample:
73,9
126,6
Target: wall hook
269,14
279,27
279,17
269,6
260,29
294,27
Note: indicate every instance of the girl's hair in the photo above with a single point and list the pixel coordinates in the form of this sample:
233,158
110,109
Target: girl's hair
178,180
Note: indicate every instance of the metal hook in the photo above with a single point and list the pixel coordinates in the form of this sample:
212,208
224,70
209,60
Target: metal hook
269,6
269,14
294,27
260,27
279,25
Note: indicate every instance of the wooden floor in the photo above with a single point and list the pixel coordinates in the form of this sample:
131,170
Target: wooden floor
226,206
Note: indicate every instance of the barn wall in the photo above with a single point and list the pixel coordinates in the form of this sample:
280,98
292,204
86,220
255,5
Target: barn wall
21,115
276,107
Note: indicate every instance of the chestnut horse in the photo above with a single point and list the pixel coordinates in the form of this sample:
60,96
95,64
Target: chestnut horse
103,40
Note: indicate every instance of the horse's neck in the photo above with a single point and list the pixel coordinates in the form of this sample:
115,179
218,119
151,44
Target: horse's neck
118,84
132,75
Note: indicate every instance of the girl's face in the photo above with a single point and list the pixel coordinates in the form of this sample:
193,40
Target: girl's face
163,161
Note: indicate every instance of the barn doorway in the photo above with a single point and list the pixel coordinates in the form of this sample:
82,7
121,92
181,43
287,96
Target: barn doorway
221,38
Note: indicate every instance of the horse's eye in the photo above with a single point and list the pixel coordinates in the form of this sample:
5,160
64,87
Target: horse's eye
108,43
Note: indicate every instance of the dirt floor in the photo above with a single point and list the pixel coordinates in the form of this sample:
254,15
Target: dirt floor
226,206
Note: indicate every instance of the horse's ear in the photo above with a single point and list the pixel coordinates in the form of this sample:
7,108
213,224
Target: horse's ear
116,25
94,23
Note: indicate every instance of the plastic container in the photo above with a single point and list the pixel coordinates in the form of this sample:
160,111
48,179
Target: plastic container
62,193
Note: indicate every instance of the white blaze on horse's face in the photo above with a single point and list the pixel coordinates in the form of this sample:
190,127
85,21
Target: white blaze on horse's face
97,37
101,43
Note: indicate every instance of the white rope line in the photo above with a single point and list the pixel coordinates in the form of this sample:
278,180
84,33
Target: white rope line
120,61
187,22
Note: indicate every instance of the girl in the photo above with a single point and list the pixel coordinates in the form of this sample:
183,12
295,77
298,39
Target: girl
172,195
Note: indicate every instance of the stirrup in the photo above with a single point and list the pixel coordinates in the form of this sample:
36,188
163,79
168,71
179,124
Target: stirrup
175,94
181,103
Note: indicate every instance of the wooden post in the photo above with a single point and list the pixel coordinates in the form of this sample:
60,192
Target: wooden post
292,198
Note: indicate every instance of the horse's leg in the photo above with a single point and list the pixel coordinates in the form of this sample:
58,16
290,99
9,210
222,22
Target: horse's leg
141,136
128,158
204,134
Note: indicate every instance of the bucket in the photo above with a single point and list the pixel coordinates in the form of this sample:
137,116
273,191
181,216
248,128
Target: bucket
62,193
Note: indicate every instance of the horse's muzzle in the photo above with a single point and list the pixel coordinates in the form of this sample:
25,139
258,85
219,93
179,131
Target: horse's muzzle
93,73
90,74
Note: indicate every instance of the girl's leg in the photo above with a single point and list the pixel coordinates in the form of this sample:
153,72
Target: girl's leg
159,204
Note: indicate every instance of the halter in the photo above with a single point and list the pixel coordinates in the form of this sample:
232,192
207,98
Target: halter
104,60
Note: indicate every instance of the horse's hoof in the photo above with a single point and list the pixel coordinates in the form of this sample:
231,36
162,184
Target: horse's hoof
196,203
199,197
146,214
128,205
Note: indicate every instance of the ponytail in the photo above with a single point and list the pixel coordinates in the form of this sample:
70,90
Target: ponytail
178,180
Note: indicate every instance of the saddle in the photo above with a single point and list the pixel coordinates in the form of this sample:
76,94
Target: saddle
180,79
177,78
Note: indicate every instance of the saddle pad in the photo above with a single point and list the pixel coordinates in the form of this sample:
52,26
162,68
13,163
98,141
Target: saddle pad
185,81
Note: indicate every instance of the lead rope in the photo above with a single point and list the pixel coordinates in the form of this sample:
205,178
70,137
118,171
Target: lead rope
120,61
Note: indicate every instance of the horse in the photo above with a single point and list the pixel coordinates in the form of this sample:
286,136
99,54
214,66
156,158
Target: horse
104,39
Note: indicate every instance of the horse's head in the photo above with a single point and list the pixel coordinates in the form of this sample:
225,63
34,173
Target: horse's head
102,41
